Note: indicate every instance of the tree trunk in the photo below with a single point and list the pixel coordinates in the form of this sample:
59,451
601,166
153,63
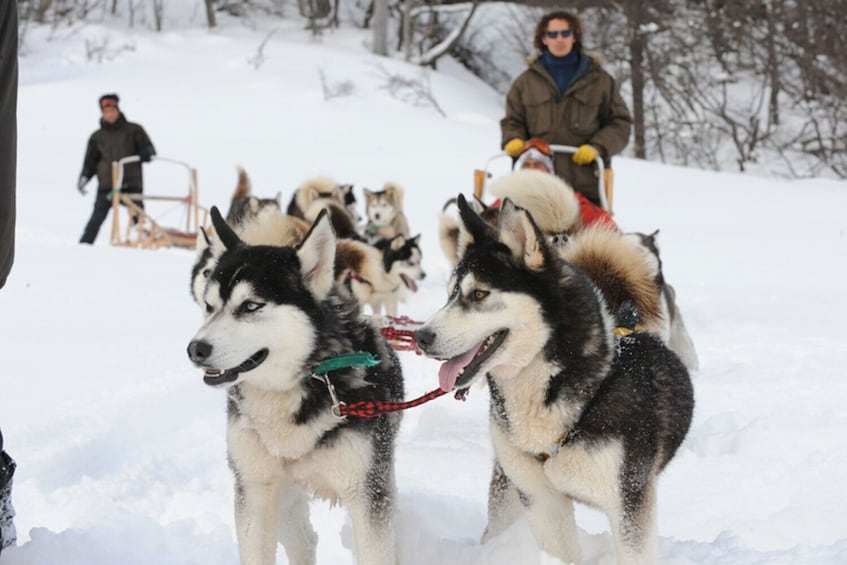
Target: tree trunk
210,13
380,27
634,13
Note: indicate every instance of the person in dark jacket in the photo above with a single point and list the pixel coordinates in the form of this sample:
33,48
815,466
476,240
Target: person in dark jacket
116,138
565,97
8,171
8,133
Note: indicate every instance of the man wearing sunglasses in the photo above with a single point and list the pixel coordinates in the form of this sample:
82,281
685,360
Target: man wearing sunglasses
117,138
565,97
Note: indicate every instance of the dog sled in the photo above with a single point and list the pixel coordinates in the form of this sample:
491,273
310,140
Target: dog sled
143,228
604,176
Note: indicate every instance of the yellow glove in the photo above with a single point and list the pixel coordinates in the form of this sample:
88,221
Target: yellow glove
513,147
584,155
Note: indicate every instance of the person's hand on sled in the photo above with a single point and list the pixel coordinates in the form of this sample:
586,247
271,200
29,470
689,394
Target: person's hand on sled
584,155
80,185
513,147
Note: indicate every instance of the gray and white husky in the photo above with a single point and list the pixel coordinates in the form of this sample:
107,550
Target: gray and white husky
273,314
576,413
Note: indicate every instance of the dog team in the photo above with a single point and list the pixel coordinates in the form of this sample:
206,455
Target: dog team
568,322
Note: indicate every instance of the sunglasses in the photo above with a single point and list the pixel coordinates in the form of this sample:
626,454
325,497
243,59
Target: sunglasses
562,32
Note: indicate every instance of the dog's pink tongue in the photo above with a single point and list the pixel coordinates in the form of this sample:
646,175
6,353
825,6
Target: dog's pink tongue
449,371
410,283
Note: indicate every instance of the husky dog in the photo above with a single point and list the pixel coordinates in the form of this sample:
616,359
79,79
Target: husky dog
303,203
378,276
401,259
273,314
244,205
384,209
576,414
673,330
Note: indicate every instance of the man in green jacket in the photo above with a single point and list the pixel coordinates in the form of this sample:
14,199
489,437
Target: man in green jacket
566,98
117,138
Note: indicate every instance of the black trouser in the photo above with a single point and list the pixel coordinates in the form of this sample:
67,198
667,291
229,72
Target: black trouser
102,205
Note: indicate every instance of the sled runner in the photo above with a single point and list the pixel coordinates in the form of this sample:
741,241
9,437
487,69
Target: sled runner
142,228
604,175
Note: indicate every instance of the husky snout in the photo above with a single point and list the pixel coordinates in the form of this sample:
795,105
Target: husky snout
199,351
424,337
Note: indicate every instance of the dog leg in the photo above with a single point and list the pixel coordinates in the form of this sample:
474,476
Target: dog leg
634,526
373,529
295,530
504,504
256,512
550,512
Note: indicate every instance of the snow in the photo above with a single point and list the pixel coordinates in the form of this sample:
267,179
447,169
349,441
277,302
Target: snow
120,446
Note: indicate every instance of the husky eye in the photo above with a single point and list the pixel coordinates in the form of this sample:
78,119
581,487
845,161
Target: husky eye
207,272
250,306
479,295
208,308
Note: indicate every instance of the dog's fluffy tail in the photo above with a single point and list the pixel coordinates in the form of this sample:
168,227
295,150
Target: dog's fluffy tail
243,187
395,193
621,271
549,199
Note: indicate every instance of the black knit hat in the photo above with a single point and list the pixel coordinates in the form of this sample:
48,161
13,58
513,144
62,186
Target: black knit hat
109,97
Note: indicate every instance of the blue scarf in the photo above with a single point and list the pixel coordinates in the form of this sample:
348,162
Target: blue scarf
562,69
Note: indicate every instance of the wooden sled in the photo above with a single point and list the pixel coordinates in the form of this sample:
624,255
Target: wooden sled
141,229
604,176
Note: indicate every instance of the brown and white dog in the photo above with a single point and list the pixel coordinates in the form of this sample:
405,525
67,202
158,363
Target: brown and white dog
384,210
324,193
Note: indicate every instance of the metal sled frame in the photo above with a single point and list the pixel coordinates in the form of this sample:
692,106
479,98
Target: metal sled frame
604,176
146,232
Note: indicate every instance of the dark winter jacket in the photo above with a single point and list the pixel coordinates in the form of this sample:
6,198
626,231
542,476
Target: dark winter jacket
8,133
112,142
590,111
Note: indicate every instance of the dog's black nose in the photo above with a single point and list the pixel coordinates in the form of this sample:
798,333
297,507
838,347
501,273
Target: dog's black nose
424,338
199,351
423,275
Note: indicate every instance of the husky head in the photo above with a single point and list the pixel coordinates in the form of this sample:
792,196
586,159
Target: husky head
384,205
402,258
261,308
349,198
494,319
206,255
649,246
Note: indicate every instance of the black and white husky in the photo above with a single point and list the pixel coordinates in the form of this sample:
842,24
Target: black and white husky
576,413
273,314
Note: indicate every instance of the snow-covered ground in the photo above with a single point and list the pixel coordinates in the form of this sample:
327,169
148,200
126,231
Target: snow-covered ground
120,446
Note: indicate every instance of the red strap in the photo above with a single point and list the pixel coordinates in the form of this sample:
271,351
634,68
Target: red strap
376,408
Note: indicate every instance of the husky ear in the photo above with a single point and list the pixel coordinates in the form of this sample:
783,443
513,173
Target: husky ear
278,199
223,229
519,233
202,241
415,241
397,242
478,205
317,257
476,228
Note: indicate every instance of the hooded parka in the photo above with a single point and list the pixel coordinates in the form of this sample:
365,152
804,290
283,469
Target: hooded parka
590,111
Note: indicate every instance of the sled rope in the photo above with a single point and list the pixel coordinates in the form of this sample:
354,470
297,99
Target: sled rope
367,408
